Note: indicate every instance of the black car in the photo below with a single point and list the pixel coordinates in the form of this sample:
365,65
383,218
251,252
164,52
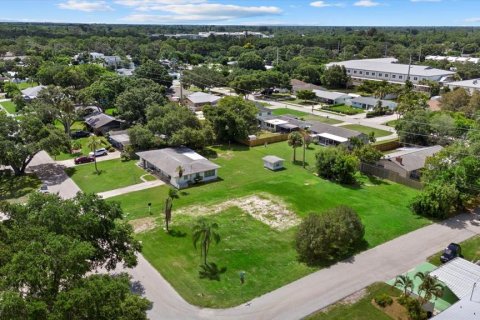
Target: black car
80,134
451,252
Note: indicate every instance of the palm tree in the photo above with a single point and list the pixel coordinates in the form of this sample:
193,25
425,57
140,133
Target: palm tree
205,232
404,281
295,140
93,143
180,171
430,287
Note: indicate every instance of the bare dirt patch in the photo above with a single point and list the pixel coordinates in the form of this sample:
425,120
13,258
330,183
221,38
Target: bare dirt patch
143,224
395,310
265,209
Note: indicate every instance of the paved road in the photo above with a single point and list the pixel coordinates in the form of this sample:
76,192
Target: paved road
133,188
53,175
110,156
321,288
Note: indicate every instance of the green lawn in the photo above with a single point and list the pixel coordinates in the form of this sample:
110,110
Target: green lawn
470,251
77,125
25,85
268,258
114,174
360,310
9,106
364,129
304,115
16,189
392,123
382,205
344,109
84,151
111,111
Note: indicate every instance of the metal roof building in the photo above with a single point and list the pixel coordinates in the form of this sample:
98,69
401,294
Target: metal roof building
470,85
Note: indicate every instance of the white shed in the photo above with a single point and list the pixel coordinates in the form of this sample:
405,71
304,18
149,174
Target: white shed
273,163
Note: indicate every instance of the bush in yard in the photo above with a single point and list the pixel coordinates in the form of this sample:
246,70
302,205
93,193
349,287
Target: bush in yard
414,308
323,238
383,300
335,163
436,201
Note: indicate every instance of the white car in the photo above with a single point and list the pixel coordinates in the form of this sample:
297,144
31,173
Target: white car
99,153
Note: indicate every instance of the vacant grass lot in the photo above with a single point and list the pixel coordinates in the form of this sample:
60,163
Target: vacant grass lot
364,129
344,109
304,115
268,257
16,189
382,205
360,310
114,174
9,106
470,251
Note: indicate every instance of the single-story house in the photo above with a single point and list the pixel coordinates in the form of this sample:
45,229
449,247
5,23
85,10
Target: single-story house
330,97
471,85
301,85
262,111
369,103
181,167
408,163
281,124
197,100
119,138
328,135
32,92
463,279
273,162
101,123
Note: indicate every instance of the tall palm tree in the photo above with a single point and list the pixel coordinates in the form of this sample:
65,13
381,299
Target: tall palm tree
204,232
404,281
430,287
295,140
93,143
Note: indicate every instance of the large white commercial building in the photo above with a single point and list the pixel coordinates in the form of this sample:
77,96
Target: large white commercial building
453,59
389,70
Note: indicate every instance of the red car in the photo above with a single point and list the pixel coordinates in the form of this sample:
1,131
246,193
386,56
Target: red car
84,159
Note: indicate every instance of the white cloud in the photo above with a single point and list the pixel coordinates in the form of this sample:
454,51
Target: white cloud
147,3
472,20
324,4
425,0
87,6
366,3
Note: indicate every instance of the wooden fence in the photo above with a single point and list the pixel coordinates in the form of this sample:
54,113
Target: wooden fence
268,140
387,145
389,175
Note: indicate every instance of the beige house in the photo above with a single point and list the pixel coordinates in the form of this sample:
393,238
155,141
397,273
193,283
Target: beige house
197,100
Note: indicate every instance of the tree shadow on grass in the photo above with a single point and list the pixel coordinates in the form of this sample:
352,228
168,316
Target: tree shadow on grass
211,271
234,147
209,153
348,257
177,234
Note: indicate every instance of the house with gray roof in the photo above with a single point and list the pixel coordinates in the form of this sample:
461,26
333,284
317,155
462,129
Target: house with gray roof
409,162
32,92
369,103
101,123
471,85
197,100
181,167
119,138
331,97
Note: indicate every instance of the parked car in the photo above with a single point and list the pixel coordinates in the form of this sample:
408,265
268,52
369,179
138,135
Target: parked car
451,252
79,134
98,153
43,189
84,159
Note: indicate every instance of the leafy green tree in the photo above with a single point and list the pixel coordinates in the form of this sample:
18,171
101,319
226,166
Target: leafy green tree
405,282
309,73
367,154
205,233
414,128
436,201
335,77
331,235
306,95
232,118
105,90
335,163
20,141
141,138
295,140
154,71
11,89
50,245
61,102
251,60
203,77
430,287
455,100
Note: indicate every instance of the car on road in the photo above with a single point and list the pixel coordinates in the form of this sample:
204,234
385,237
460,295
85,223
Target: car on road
98,153
451,252
43,189
79,134
84,159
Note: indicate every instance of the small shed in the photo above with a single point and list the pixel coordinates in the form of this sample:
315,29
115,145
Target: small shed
273,163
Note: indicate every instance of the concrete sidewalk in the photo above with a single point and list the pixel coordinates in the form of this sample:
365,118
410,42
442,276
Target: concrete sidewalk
133,188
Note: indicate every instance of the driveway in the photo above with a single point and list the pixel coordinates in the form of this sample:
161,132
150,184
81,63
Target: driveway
320,289
133,188
71,163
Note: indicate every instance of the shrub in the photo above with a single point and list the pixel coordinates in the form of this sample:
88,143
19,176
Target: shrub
383,300
436,201
335,163
414,308
329,236
111,149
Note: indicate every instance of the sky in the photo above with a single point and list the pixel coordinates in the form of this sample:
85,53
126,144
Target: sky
247,12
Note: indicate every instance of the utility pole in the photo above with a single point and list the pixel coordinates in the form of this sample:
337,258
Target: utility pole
386,49
420,55
409,66
277,57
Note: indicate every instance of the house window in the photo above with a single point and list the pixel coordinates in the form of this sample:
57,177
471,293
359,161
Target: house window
361,72
394,76
380,75
367,73
373,73
400,77
348,71
415,78
209,173
355,71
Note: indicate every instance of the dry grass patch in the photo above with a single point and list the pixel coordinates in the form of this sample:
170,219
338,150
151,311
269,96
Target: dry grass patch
395,310
271,212
143,224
